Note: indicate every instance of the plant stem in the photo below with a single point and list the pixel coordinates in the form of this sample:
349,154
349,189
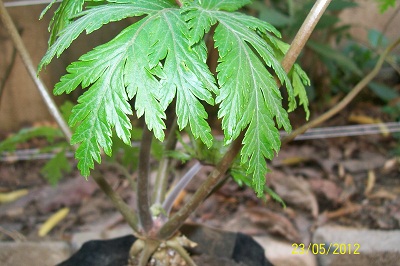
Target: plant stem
304,33
26,59
170,227
143,199
118,202
160,186
177,246
346,100
176,221
178,2
169,201
124,171
150,247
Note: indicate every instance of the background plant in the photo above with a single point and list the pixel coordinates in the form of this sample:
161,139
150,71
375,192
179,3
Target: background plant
334,59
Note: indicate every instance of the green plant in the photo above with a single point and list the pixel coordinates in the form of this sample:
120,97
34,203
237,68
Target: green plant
385,4
322,58
160,61
175,68
334,59
57,165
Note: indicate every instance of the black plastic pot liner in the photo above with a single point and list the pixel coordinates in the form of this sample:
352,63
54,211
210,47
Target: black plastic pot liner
224,246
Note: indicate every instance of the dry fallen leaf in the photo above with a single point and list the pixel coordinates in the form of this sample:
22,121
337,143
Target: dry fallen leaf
383,194
363,119
349,188
274,223
326,188
345,210
13,195
370,182
53,221
290,161
294,190
367,161
391,165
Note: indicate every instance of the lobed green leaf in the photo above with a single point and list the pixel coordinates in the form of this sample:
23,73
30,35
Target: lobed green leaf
249,96
299,80
226,5
92,19
54,168
150,60
162,58
188,77
26,134
62,16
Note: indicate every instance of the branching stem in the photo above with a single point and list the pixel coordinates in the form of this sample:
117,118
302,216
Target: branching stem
183,182
149,248
160,186
178,2
118,202
176,221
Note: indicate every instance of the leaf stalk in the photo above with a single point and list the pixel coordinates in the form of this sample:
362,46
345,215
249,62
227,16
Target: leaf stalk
160,186
176,220
118,202
143,204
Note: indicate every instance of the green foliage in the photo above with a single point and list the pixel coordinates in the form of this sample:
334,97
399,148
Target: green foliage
161,59
127,155
385,4
325,62
289,15
10,144
242,178
54,168
377,40
389,96
335,56
62,16
384,92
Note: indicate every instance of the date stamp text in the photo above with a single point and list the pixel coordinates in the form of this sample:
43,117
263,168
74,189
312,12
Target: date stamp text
325,249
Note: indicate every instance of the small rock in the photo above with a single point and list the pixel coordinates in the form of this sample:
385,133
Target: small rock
33,253
373,247
279,253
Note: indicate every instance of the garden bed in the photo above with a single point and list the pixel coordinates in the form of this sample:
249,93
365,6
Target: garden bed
342,181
